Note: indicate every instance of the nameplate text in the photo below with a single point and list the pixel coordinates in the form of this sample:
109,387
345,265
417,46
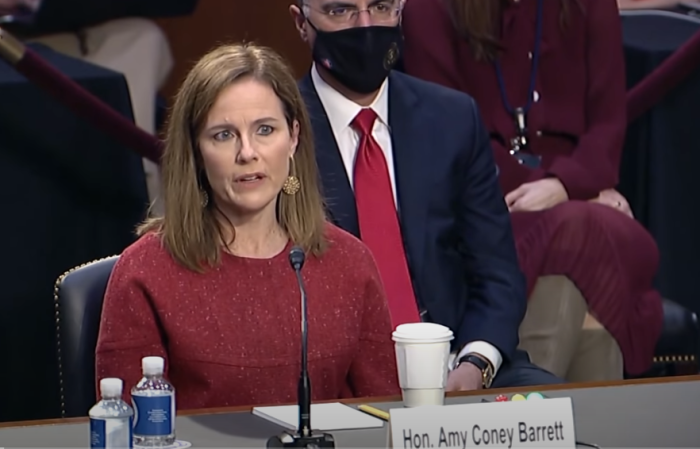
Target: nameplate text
535,424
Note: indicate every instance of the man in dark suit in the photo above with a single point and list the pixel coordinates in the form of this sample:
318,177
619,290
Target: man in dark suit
407,166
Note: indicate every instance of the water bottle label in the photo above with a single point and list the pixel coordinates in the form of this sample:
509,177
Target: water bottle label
111,433
154,415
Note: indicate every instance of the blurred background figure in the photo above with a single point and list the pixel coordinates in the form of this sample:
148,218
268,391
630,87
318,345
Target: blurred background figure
70,193
549,80
115,34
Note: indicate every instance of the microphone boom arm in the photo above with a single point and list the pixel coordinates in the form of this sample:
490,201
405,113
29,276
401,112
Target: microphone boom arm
304,392
303,437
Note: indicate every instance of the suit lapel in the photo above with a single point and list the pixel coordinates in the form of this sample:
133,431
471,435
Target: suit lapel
339,197
410,146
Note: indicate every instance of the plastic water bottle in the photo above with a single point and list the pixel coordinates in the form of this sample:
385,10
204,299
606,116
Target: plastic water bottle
111,419
154,406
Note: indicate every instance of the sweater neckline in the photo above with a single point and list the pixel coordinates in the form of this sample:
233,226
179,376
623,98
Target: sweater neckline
252,260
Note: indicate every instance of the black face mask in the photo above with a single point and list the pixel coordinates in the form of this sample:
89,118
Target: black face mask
359,58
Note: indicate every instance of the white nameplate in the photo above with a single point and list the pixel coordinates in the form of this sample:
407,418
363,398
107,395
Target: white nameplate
536,424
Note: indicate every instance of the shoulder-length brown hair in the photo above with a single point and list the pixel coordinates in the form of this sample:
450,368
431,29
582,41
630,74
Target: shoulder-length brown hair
479,21
192,232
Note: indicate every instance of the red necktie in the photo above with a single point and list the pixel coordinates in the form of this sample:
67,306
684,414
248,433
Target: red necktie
379,223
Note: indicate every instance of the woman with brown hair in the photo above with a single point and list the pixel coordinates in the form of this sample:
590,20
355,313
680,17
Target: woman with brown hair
209,285
548,77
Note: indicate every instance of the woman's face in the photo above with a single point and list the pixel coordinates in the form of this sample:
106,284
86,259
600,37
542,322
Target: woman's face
246,146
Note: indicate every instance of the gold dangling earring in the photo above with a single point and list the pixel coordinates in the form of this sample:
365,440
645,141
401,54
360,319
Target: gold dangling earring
205,198
291,185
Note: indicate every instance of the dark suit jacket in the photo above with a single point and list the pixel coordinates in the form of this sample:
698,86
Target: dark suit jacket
57,16
455,224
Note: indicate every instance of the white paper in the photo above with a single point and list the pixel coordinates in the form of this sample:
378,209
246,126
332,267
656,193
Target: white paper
324,417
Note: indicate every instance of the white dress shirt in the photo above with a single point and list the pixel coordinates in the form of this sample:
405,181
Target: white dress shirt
341,112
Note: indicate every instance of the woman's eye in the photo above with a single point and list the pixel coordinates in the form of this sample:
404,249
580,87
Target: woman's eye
265,130
223,136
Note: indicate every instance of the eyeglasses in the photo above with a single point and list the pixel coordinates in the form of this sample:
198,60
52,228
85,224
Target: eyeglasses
380,13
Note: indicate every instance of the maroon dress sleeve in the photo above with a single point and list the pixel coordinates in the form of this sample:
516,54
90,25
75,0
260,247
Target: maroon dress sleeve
373,371
128,328
594,165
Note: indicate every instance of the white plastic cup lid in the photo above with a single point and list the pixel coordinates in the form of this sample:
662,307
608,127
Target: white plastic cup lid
152,366
422,333
111,387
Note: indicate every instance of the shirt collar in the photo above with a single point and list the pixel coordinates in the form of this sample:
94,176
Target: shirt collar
340,110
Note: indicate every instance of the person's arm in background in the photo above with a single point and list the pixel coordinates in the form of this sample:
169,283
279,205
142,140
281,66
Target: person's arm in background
128,328
373,371
497,290
11,9
594,165
55,16
431,53
647,4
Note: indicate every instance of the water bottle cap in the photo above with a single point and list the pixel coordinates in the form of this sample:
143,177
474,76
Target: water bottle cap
152,366
111,387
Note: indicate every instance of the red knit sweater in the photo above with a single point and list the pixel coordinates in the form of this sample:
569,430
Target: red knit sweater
231,336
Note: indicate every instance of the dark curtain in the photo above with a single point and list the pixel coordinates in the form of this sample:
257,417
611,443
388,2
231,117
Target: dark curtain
662,156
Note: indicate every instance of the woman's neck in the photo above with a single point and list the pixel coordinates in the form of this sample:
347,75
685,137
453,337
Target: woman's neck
259,237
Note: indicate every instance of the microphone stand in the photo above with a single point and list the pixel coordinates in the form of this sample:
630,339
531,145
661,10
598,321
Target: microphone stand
303,437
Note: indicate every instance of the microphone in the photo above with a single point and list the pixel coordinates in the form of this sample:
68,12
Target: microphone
296,260
303,437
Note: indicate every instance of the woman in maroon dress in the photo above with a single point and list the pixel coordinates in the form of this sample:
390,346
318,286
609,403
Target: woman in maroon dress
209,286
548,77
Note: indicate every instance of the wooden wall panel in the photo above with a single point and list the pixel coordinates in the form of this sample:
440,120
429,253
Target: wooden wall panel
266,22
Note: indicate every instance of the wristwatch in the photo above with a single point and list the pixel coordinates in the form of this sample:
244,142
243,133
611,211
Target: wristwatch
483,364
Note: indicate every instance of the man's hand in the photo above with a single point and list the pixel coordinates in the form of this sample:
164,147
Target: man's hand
614,199
466,377
537,195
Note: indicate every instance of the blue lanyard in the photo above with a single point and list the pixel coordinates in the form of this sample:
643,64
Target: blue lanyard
533,69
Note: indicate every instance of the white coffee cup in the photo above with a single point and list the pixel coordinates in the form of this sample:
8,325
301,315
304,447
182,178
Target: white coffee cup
422,355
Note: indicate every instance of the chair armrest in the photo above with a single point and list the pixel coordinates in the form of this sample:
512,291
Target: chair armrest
680,337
